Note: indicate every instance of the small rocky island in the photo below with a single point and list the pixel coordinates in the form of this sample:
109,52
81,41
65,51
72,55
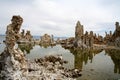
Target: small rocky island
15,66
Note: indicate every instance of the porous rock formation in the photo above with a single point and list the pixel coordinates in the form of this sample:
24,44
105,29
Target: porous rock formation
14,66
114,39
25,37
98,39
51,68
83,40
78,36
46,39
87,40
79,30
13,63
28,36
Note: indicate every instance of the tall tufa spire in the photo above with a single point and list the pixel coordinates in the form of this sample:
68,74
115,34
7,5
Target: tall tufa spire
78,23
78,30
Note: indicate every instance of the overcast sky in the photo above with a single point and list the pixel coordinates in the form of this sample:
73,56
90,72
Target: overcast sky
59,17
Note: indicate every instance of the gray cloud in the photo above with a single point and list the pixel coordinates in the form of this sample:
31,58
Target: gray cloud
59,17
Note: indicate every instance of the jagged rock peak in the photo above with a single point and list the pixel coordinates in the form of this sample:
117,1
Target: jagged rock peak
78,23
116,23
17,19
117,26
78,30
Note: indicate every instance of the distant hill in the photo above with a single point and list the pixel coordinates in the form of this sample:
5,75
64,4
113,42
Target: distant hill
38,37
2,34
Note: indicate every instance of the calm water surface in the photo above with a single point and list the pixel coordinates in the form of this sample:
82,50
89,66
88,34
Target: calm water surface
95,64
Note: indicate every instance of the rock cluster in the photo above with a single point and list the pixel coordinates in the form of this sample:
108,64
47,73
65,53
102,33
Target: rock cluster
114,39
88,39
107,37
28,36
98,39
83,40
51,68
13,62
68,43
47,40
25,37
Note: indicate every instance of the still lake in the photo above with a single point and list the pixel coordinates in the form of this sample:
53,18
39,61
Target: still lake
95,65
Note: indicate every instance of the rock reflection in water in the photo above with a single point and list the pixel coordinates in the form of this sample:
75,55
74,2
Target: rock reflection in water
29,46
26,47
82,56
46,45
115,56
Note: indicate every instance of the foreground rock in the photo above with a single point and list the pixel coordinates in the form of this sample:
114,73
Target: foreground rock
12,61
51,68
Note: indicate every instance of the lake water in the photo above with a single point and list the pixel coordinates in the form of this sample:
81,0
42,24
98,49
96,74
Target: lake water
95,64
